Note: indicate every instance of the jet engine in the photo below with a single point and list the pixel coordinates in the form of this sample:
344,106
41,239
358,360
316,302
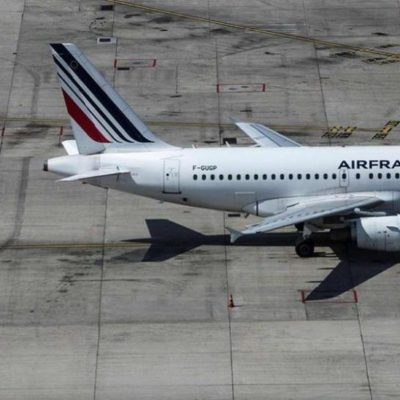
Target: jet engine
377,233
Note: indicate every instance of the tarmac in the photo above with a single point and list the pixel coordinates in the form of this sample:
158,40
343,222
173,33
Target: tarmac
105,295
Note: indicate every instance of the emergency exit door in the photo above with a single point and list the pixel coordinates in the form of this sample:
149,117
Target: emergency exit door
343,177
171,176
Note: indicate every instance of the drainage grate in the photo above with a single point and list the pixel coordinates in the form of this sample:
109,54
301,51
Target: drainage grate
241,88
106,40
135,63
108,7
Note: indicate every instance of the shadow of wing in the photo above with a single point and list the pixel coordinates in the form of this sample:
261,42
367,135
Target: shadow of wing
337,282
355,267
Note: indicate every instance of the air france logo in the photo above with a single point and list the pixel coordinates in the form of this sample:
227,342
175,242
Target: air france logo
369,164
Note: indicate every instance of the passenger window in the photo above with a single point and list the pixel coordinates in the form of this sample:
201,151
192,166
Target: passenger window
299,177
204,177
325,176
290,176
357,176
344,176
221,177
397,175
334,176
265,177
282,177
379,175
371,176
256,177
195,177
316,176
229,177
238,177
212,177
308,176
273,177
247,177
388,175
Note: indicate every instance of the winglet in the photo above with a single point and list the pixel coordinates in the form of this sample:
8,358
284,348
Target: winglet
265,137
235,235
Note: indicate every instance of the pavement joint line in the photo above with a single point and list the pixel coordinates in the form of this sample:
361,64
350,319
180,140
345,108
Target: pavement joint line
190,124
103,259
20,204
61,121
228,292
321,88
249,28
360,327
73,246
229,311
15,63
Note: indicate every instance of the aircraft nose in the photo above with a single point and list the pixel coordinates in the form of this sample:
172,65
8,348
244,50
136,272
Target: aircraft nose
45,166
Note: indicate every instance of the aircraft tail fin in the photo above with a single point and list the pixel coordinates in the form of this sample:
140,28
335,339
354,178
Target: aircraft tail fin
99,116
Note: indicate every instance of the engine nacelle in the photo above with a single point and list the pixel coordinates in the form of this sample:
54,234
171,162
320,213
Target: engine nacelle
378,233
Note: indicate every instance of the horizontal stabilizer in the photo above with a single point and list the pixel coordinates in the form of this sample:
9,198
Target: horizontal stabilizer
70,147
98,173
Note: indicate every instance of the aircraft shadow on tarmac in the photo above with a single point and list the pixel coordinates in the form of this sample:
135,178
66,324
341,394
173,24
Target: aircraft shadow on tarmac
355,267
169,239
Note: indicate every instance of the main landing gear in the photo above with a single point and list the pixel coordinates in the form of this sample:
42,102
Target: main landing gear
305,247
304,244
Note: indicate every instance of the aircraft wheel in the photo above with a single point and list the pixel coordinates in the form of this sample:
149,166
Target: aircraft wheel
305,248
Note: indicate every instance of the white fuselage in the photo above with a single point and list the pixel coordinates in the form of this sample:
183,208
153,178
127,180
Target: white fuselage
235,179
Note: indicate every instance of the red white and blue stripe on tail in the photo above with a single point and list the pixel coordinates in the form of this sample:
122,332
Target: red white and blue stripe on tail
99,116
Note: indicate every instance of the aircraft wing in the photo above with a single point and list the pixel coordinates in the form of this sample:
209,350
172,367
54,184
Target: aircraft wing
307,210
265,137
98,173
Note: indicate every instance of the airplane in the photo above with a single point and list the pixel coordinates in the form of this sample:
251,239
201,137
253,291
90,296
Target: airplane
351,192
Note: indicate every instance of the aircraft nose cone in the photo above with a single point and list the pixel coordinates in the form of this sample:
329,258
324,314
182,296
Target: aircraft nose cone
45,166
